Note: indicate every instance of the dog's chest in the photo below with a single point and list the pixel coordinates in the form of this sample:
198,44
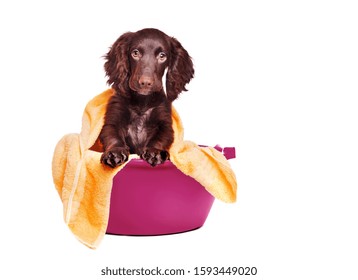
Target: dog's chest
137,129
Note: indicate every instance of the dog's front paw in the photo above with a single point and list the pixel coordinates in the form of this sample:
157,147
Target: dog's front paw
115,157
154,156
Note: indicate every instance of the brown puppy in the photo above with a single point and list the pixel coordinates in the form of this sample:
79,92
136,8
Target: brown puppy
138,117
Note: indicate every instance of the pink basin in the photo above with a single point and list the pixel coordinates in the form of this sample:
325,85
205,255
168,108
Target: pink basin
159,200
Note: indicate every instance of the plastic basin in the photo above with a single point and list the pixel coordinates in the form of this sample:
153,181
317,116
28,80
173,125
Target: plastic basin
157,201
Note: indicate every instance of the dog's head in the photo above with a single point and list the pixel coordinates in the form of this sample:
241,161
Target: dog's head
137,62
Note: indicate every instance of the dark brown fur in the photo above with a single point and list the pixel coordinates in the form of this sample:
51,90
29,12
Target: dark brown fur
138,117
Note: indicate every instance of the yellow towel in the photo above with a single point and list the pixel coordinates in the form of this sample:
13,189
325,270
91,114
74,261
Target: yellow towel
84,184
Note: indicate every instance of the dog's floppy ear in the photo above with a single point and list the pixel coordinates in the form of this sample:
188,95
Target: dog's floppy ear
180,70
117,64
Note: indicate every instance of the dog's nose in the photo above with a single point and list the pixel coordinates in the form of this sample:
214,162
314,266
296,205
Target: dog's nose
145,81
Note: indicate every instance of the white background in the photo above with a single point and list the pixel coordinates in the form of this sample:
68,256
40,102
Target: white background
276,79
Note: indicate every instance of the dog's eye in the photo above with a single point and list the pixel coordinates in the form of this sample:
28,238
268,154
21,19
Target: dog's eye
136,54
162,56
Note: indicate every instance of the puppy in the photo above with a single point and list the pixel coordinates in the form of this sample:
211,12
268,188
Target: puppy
138,117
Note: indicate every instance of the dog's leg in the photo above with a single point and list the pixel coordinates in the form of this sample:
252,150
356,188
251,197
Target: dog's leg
156,151
154,156
116,152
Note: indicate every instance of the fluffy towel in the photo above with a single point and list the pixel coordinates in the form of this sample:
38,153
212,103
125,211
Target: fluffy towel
84,184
